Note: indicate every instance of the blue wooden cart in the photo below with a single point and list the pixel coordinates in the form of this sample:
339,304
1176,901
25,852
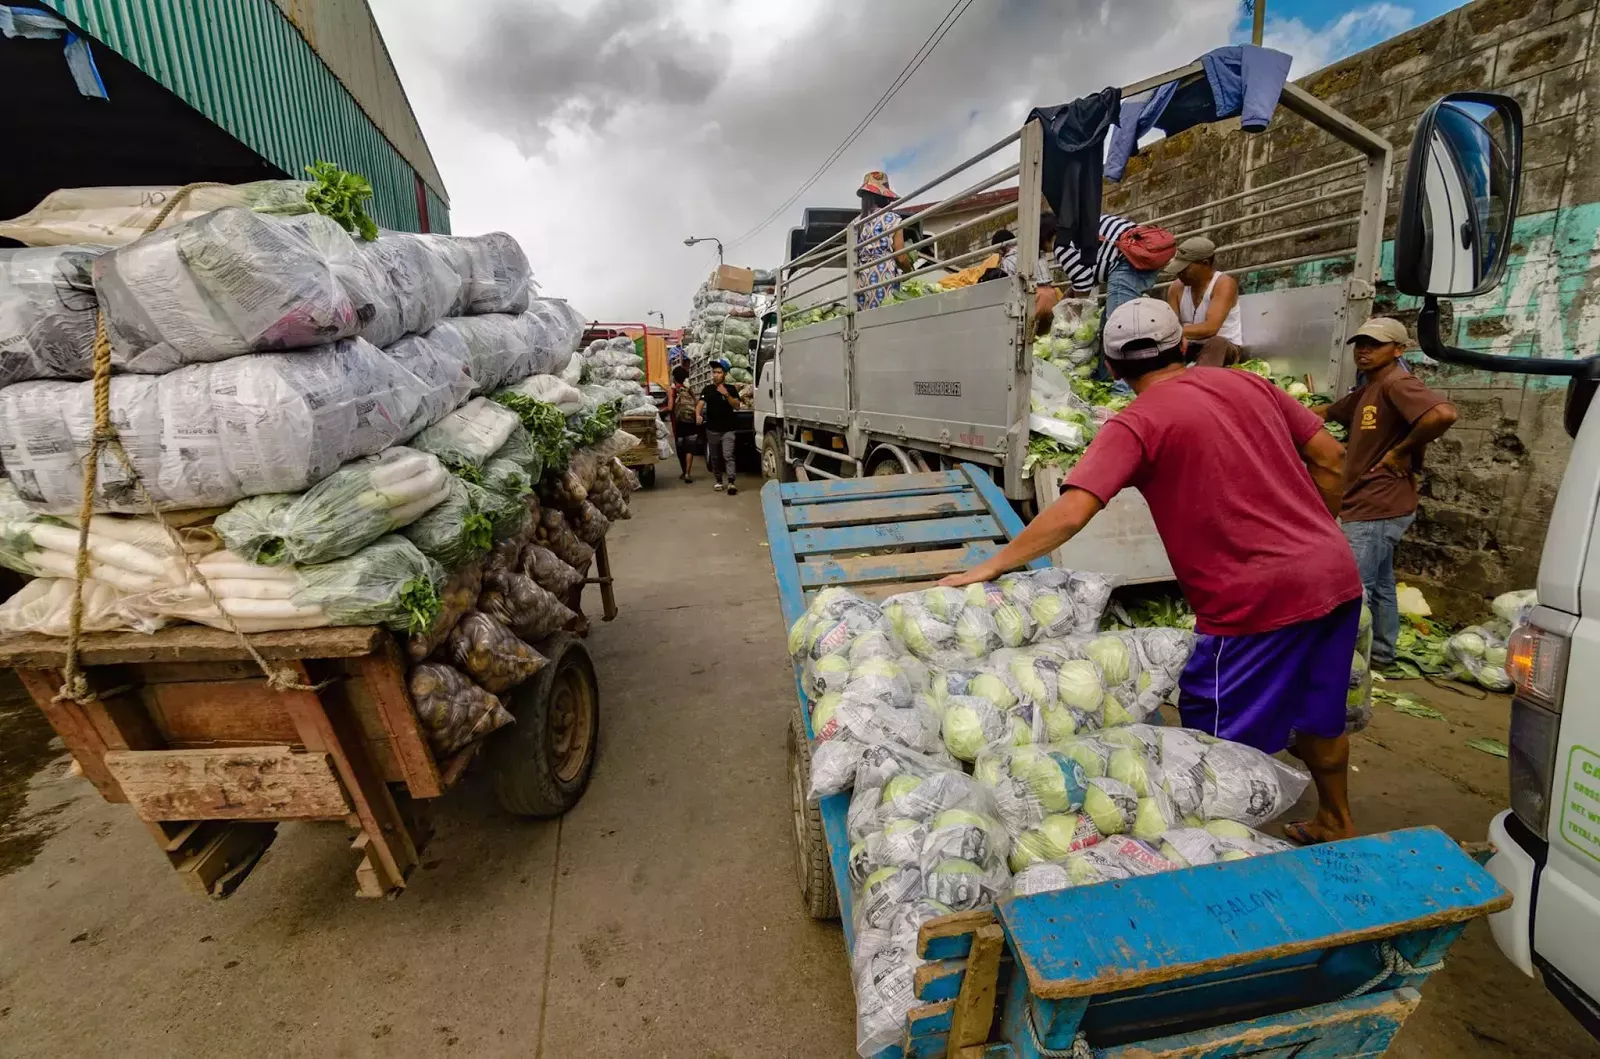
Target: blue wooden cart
1312,953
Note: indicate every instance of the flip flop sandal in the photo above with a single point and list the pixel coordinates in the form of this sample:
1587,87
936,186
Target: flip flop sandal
1297,833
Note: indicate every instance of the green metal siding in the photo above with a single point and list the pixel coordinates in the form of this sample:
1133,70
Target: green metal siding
245,66
438,212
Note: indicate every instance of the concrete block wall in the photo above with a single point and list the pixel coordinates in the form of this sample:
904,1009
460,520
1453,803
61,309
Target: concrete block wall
1491,481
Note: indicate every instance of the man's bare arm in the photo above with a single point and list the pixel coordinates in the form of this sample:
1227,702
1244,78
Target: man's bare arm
1432,423
1324,458
1224,296
1054,526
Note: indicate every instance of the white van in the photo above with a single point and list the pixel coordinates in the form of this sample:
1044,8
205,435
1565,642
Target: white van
1453,240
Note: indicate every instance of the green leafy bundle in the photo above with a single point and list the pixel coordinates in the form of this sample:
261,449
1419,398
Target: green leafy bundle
342,196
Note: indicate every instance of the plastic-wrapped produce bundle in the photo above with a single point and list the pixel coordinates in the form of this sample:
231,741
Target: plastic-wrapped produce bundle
44,606
498,348
845,722
1098,681
454,531
453,709
555,329
1358,699
1513,608
254,598
459,595
1117,857
388,583
830,627
47,313
951,626
973,721
414,284
116,216
507,512
547,571
468,436
229,283
487,652
341,514
1038,794
500,278
522,606
210,434
541,389
554,533
441,360
1480,652
1218,841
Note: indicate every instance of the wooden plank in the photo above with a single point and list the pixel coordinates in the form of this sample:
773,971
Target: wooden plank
907,566
895,509
223,712
950,937
188,643
974,1010
887,485
999,507
383,678
939,980
608,596
218,867
245,783
895,535
1160,928
70,722
121,718
187,672
1348,1029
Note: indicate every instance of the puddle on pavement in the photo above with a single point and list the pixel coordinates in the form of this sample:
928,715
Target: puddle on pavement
25,749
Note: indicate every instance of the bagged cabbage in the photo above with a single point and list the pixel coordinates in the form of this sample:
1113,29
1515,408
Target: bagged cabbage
208,435
522,606
833,621
500,279
486,651
844,723
1510,607
1480,653
47,313
950,626
454,531
467,437
1217,842
1116,857
229,283
453,710
970,723
414,286
341,514
389,582
459,595
547,571
1358,699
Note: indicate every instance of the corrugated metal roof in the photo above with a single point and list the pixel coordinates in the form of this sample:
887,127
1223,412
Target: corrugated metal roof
245,66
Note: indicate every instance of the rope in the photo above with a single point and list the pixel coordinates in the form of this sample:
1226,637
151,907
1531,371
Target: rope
74,684
1393,964
1081,1049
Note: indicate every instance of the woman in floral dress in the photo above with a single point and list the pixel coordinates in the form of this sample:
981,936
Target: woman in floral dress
881,253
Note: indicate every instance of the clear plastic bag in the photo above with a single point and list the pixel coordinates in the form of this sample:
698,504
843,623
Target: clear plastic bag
588,523
954,627
1513,607
487,651
459,595
415,286
440,360
467,437
208,435
554,533
547,571
116,216
507,512
1480,653
551,390
388,583
522,606
47,313
500,279
229,283
454,531
453,710
499,348
44,606
341,514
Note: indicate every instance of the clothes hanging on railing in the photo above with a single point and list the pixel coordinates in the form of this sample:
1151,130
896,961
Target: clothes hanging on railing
1074,145
1242,80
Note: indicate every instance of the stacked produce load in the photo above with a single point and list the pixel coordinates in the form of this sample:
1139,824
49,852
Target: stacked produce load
996,739
721,325
350,432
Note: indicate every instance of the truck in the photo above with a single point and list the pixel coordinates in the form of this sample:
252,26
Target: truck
1459,199
928,383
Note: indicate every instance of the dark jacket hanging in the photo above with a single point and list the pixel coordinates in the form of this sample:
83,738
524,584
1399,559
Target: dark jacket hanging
1074,148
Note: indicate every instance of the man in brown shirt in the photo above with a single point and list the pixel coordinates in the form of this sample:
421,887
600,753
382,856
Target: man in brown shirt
1390,419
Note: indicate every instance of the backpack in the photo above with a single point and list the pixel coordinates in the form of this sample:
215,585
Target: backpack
683,405
1147,247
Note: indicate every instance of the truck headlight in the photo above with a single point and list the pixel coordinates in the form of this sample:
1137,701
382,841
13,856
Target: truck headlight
1536,662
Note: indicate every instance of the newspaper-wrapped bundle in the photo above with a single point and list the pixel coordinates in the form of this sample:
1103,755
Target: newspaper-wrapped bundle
116,216
414,284
499,279
210,434
47,308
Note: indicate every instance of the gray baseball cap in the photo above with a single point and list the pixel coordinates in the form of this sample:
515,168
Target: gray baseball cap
1149,323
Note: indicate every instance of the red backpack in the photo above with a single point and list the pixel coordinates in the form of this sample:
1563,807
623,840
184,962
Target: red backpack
1147,247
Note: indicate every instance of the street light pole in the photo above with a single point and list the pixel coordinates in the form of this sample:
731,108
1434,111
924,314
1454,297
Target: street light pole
693,239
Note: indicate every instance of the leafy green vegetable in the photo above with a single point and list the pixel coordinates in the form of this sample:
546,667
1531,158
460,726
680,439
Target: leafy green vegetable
546,427
1048,452
1490,746
389,582
1164,611
1256,366
342,196
1408,704
598,425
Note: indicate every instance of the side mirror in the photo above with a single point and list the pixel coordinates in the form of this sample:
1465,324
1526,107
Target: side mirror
1460,196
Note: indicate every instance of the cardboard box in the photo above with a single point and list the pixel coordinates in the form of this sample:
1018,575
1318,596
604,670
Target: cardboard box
729,277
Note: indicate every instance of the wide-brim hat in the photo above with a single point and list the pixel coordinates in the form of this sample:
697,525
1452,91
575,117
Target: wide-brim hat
876,183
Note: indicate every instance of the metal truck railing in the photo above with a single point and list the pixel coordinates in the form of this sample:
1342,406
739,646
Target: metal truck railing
1358,208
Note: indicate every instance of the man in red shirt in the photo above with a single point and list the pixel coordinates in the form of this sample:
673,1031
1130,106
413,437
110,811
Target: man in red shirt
1242,482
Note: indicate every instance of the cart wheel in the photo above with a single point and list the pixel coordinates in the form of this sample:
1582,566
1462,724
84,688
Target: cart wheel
810,845
541,765
773,465
647,477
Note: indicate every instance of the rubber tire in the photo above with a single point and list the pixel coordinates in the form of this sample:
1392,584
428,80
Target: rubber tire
520,755
772,452
813,868
647,477
888,463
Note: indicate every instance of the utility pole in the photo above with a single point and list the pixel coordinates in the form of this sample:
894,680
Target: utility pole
1259,24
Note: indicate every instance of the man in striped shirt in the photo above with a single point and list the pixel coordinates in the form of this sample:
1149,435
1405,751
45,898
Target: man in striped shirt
1123,281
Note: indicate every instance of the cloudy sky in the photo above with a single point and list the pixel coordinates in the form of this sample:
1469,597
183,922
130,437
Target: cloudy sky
602,132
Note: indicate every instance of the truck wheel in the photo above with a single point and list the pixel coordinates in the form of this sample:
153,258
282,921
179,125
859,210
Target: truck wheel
812,865
887,461
647,477
773,465
541,765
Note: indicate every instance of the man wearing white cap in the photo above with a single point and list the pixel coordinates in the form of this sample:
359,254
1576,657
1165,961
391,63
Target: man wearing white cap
1207,304
1242,483
1391,418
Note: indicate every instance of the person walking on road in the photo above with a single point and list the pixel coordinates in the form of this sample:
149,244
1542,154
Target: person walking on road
1207,304
683,414
1391,418
718,402
1242,483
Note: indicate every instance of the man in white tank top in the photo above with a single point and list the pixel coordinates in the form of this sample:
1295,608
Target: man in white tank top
1207,304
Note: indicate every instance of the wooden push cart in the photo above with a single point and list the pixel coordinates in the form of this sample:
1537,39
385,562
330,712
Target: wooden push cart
1316,952
643,456
186,730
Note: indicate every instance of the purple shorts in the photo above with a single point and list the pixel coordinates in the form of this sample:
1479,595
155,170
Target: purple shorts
1260,688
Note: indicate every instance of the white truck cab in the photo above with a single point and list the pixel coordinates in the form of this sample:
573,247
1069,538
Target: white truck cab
1454,235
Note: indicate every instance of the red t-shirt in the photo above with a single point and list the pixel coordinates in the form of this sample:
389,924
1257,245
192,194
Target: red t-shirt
1216,453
